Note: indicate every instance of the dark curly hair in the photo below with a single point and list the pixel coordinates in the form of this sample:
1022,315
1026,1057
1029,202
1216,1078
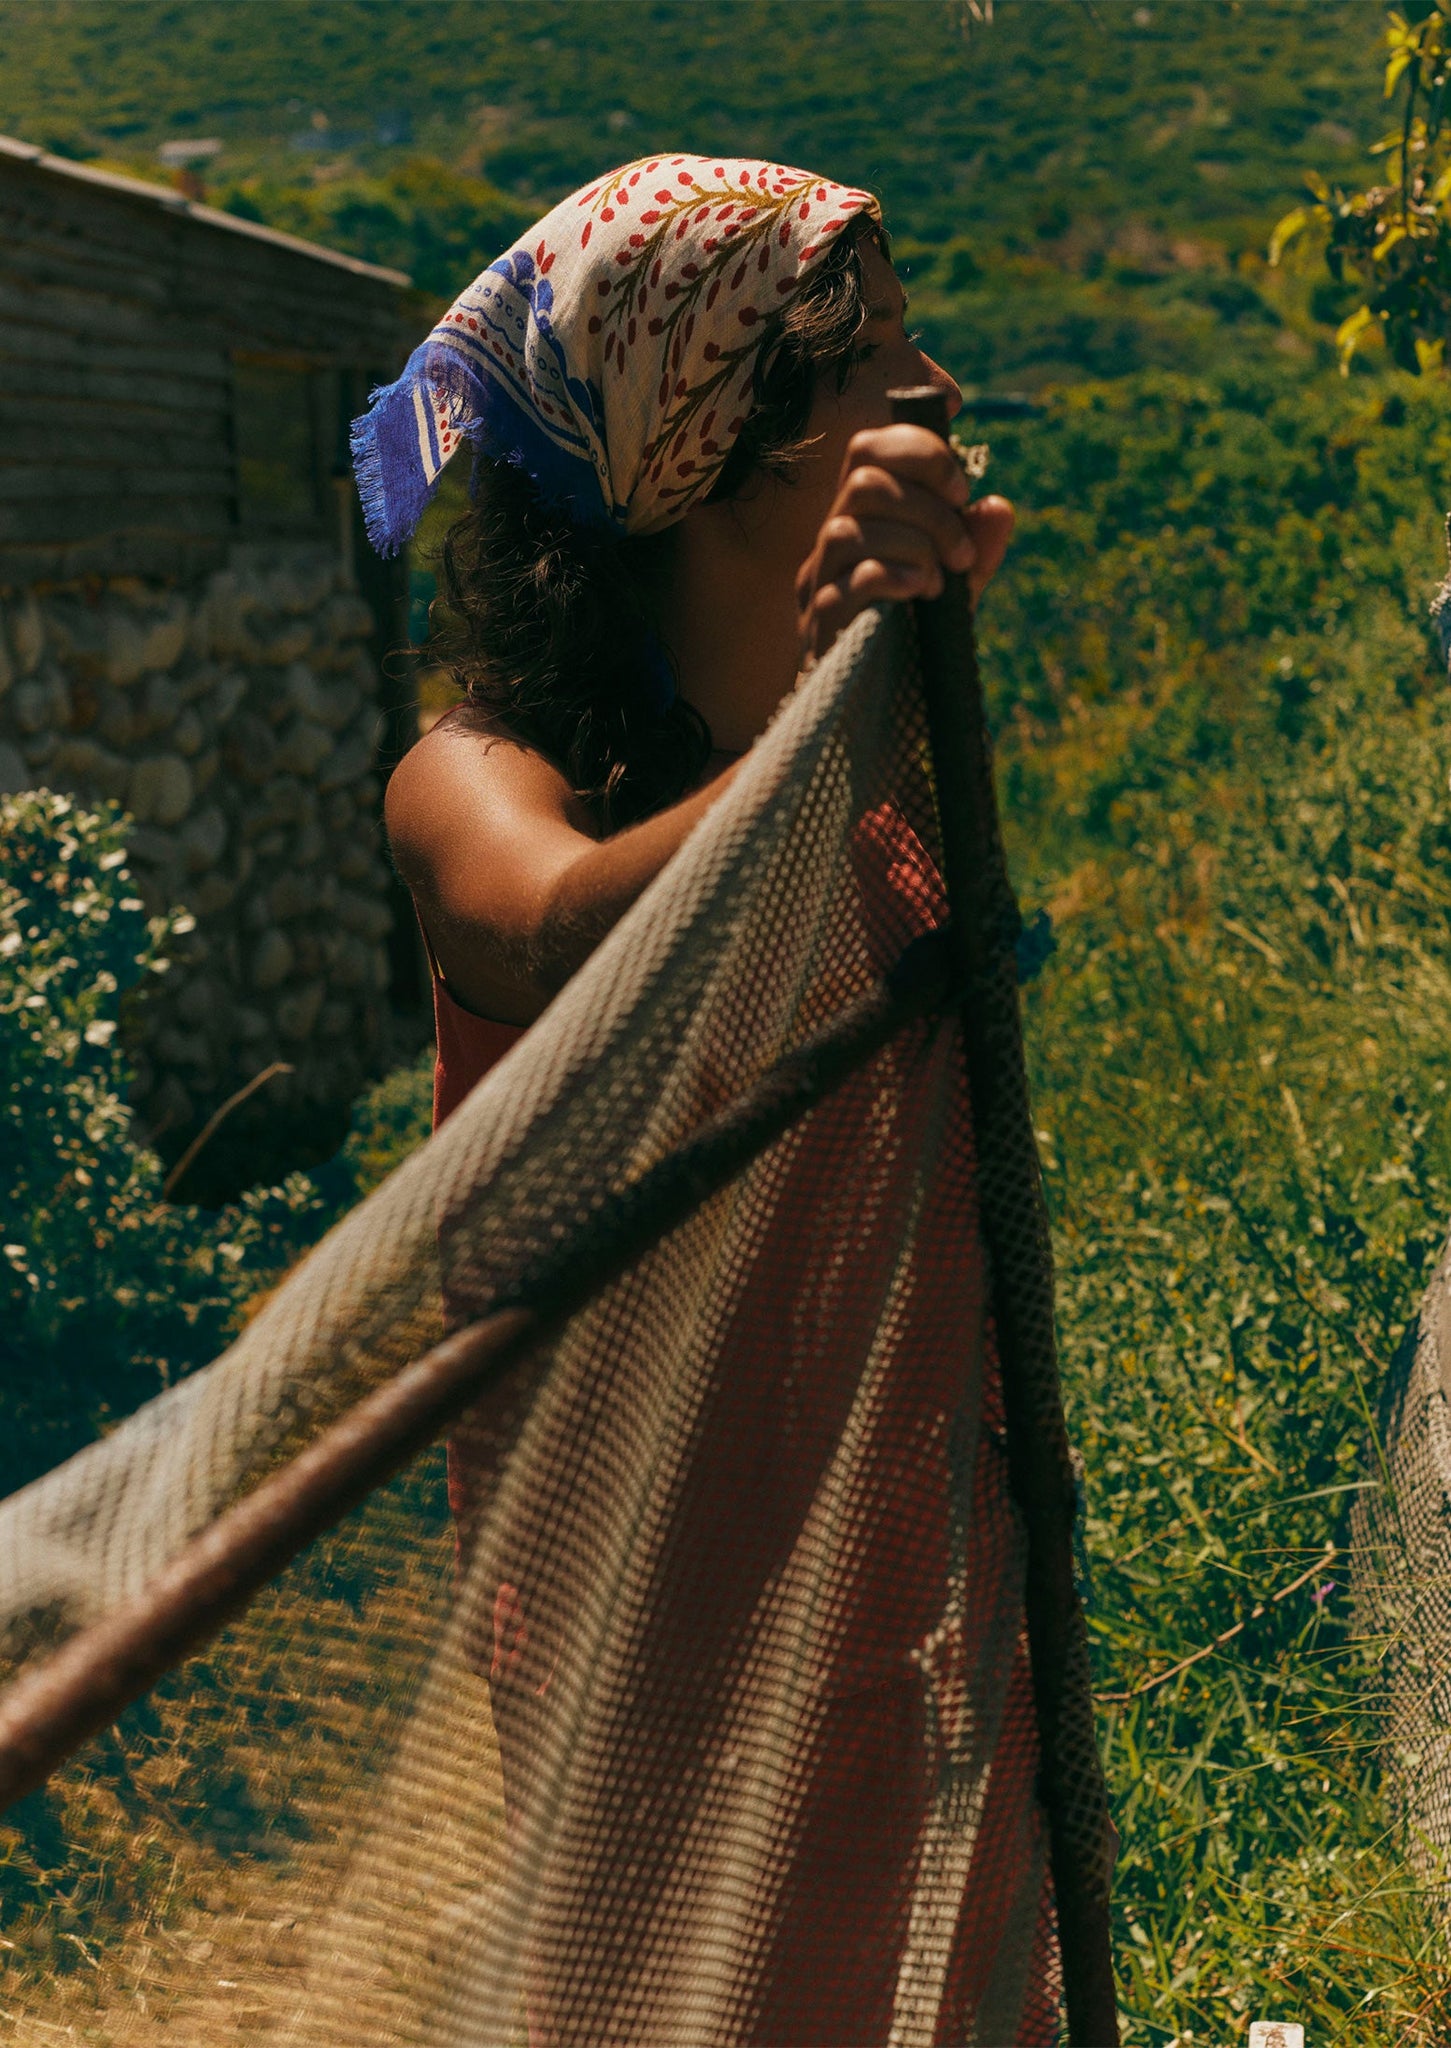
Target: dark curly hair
548,627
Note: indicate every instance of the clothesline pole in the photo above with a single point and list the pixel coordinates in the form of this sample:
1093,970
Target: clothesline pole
985,922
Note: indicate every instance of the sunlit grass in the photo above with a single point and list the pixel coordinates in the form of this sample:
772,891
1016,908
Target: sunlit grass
1241,1068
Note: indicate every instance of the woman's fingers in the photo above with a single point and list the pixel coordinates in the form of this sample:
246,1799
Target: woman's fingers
912,453
830,612
990,522
871,493
871,579
832,602
846,540
900,523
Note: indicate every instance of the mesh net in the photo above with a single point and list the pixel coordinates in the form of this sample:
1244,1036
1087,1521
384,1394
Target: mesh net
706,1718
1401,1569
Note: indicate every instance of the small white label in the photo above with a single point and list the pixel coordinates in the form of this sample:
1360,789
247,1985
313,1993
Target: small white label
1276,2034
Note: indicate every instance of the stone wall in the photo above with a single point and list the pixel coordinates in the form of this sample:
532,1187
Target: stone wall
237,722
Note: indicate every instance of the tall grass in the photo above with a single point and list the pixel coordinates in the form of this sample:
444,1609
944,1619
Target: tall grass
1240,1063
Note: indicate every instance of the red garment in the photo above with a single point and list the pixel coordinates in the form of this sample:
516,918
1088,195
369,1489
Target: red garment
769,1428
467,1047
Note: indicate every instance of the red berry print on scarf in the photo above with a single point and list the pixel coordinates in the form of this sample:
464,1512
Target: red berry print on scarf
645,337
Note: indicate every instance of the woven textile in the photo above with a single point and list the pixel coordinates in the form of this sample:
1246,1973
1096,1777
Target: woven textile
768,1751
611,352
1401,1573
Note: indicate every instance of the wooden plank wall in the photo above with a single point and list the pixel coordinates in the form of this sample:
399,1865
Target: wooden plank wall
119,318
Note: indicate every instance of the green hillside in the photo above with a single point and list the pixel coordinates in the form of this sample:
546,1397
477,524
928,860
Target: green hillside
1103,168
1188,111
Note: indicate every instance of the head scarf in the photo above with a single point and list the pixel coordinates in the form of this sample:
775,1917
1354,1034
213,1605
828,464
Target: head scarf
611,352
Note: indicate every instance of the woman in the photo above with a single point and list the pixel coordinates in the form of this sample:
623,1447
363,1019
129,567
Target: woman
684,488
529,820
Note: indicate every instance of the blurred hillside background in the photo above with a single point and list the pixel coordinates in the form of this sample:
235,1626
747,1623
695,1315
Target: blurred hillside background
1083,190
1224,744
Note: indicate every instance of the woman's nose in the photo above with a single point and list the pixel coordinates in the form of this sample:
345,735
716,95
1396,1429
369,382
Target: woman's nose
945,382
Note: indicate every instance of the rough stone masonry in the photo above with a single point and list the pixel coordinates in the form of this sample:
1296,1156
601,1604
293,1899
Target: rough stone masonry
237,723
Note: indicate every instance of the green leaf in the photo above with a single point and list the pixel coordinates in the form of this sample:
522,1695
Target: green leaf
1288,230
1350,333
1396,69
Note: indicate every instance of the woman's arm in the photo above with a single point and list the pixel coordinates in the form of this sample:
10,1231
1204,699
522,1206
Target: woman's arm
502,858
513,882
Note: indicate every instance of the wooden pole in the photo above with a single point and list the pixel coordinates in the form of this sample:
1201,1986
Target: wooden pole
985,924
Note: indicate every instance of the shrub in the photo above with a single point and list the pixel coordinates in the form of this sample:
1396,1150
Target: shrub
107,1292
439,225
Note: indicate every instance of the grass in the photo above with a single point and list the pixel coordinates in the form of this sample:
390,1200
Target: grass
197,1837
1240,1074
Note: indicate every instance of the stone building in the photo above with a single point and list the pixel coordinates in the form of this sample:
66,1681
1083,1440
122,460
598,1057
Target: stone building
193,625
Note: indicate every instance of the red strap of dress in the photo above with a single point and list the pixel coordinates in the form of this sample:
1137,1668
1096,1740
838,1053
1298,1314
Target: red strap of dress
468,1045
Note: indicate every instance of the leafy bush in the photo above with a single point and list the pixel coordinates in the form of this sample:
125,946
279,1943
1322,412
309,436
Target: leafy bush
1389,244
107,1292
438,224
390,1121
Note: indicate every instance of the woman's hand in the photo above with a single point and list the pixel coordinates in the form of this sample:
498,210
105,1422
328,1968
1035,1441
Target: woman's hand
899,523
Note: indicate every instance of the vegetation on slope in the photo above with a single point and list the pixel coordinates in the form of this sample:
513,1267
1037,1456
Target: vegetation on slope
1225,743
1190,111
1225,748
1089,187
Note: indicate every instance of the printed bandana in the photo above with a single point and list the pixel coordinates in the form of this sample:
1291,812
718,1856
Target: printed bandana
610,353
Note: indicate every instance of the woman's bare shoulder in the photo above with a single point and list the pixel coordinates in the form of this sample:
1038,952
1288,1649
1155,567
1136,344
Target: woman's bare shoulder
467,784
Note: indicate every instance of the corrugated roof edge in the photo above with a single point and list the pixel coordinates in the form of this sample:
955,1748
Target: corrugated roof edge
205,216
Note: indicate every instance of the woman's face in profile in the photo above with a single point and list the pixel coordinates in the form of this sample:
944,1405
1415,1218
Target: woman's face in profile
887,359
